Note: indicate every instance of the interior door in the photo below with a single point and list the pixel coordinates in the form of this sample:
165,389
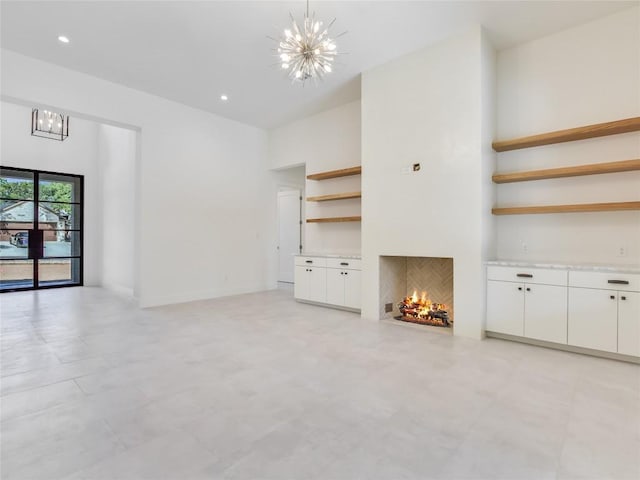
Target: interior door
41,217
288,233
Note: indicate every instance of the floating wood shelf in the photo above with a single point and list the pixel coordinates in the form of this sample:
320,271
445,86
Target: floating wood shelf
569,135
334,219
584,207
345,172
335,196
594,169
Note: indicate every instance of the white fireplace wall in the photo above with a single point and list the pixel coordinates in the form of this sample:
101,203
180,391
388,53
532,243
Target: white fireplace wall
427,107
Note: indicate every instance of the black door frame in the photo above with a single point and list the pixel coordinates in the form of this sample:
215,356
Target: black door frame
36,248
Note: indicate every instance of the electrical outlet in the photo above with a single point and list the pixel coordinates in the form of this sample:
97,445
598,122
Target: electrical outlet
622,251
388,307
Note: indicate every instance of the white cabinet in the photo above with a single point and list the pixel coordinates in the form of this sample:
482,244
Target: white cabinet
353,289
580,307
593,318
333,281
505,307
527,309
343,287
310,282
545,316
629,323
604,311
335,286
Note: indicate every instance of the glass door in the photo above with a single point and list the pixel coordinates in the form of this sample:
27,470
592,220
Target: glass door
17,207
40,229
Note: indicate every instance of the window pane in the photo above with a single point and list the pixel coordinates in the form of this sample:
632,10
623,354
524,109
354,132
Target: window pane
58,271
16,274
61,243
59,188
15,184
59,216
14,244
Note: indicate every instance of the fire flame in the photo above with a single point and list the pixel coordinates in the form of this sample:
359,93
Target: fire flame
423,301
422,308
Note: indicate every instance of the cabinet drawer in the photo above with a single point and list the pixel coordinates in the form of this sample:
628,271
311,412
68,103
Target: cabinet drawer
527,275
311,261
344,263
626,282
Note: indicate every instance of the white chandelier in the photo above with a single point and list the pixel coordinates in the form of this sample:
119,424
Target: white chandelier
307,52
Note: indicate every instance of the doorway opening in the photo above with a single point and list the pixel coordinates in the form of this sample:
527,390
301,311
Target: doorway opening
290,213
289,232
41,229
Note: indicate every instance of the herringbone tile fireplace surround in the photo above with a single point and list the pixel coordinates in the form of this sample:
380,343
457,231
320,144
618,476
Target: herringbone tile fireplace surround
400,276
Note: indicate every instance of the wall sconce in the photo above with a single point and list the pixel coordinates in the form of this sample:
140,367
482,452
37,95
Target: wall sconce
48,124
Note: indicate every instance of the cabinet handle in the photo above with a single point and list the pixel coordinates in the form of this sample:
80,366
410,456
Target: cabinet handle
308,261
341,273
623,298
344,264
524,275
612,297
528,289
346,273
619,282
520,288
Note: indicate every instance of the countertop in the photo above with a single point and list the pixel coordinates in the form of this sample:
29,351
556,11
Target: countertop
566,266
328,255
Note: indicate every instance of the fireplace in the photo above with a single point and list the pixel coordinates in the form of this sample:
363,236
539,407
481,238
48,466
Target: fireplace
417,290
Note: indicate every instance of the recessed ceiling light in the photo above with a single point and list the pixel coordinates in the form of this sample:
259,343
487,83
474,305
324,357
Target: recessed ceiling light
224,98
63,39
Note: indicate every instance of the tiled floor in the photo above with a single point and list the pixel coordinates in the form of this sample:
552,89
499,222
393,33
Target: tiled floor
260,387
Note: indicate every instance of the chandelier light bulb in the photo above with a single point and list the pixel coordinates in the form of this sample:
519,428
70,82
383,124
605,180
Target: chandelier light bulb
305,50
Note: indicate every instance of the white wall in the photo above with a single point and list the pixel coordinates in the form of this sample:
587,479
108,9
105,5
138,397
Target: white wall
426,107
327,141
206,200
77,155
584,75
116,160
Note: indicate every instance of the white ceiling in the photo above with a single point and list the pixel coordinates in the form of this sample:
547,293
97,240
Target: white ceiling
192,52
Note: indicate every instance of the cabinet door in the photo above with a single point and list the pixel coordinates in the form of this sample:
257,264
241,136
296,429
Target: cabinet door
505,307
318,284
301,283
629,323
545,313
353,288
593,319
335,286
